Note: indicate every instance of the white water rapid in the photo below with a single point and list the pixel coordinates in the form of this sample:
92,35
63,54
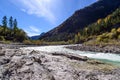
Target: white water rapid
106,57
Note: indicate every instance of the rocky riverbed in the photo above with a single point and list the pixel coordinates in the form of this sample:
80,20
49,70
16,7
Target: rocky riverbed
97,48
20,64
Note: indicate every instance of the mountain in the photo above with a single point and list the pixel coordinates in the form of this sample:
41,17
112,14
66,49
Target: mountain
37,36
81,19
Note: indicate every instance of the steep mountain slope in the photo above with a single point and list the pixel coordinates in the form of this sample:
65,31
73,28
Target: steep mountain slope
81,19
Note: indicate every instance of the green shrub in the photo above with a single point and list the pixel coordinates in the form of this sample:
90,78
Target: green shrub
99,39
113,30
70,41
111,35
118,30
36,42
28,42
6,42
106,40
119,37
2,38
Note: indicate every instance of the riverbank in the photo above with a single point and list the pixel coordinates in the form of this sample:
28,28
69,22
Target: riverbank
97,48
14,45
27,64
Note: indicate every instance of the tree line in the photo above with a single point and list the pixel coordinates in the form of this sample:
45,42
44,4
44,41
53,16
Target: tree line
9,30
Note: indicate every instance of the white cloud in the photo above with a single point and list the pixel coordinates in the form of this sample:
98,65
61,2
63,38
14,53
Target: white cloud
40,8
23,10
33,28
32,31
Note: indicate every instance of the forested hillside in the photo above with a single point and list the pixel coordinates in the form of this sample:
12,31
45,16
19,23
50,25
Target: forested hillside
105,28
9,30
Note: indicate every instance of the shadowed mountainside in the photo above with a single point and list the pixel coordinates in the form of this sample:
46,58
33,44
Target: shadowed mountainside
81,19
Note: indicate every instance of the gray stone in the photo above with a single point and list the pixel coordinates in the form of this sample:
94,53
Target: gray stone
18,64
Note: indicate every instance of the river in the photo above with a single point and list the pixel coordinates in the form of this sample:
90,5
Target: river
105,57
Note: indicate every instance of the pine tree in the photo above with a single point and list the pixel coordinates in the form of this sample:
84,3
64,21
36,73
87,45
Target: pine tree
15,23
4,21
4,25
15,28
11,22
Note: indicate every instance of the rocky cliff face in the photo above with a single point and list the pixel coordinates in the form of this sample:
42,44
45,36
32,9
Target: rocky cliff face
81,19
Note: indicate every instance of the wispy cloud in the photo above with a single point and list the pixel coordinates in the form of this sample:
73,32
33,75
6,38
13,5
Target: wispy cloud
32,31
40,8
33,28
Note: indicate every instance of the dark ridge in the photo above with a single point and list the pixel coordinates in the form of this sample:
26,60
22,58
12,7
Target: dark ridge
81,19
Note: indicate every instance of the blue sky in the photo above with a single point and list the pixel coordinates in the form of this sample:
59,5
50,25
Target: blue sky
37,16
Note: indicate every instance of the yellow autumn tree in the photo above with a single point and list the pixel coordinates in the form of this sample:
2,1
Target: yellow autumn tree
107,18
99,21
118,30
